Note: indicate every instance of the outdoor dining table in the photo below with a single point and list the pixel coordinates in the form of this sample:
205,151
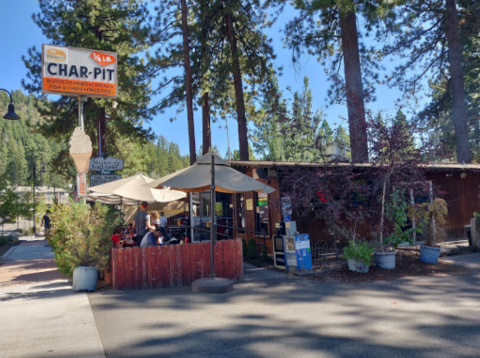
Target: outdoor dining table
176,230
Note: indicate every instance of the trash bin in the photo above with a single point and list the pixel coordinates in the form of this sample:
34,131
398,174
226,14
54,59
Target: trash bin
468,229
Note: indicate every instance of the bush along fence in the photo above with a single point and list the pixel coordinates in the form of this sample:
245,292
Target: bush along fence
174,265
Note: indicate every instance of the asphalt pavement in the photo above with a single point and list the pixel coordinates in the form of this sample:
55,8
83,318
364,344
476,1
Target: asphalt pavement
274,315
40,313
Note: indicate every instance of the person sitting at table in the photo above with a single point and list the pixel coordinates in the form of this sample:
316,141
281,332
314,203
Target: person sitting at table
152,239
129,238
116,238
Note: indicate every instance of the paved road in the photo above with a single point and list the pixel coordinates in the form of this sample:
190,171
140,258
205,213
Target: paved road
40,314
277,316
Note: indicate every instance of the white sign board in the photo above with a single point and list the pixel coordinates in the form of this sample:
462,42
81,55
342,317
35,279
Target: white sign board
98,179
100,164
72,71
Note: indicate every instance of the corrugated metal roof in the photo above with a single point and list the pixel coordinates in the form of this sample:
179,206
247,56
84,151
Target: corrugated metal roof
270,164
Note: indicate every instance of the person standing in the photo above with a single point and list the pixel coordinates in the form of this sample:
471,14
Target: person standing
141,222
46,222
163,220
154,218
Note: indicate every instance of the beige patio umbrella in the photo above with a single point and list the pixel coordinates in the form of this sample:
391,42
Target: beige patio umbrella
214,173
198,178
133,189
110,199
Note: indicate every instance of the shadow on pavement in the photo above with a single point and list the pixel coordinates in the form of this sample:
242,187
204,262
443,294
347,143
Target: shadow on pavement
289,317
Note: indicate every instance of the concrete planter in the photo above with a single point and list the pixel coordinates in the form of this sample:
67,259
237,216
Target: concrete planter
429,254
361,267
385,260
85,278
357,266
351,264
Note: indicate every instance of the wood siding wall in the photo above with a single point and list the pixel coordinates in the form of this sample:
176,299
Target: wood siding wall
462,197
174,265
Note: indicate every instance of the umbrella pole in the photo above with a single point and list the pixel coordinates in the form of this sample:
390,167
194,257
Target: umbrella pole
212,220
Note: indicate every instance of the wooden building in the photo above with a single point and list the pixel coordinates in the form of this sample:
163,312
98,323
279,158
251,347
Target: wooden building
458,185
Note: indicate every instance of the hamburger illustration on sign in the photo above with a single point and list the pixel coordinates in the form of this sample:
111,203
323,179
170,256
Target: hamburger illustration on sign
71,71
56,55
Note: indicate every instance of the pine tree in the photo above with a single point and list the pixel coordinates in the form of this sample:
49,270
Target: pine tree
230,60
432,36
294,134
328,29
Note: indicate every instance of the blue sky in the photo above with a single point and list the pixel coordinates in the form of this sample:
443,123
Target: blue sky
19,33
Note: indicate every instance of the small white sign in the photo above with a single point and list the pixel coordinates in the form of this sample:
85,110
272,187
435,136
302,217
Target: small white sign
96,179
99,164
286,205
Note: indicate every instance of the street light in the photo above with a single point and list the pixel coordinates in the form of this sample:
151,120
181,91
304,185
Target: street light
11,109
34,199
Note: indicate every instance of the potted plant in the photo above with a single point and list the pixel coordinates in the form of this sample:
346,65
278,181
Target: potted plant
359,255
432,217
397,214
80,238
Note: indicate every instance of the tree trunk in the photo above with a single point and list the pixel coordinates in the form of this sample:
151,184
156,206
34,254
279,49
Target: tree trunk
459,110
354,88
188,84
102,131
101,117
207,135
237,81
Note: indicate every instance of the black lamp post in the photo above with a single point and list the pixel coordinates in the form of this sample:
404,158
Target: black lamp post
11,109
34,199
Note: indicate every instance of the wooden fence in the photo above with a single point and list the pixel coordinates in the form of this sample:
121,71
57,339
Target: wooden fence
174,265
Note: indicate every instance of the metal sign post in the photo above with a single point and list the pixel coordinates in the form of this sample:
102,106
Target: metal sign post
212,220
80,112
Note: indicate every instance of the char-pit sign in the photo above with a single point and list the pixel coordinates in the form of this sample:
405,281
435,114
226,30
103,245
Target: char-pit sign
72,71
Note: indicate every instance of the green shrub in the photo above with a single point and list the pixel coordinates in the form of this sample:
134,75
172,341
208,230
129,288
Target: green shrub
265,257
396,212
360,251
4,240
27,232
252,249
244,247
80,236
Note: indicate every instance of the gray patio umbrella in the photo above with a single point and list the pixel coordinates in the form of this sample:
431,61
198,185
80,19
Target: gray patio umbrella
214,173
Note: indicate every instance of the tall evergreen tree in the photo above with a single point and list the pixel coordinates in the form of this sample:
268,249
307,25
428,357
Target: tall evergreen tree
328,29
427,34
230,60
